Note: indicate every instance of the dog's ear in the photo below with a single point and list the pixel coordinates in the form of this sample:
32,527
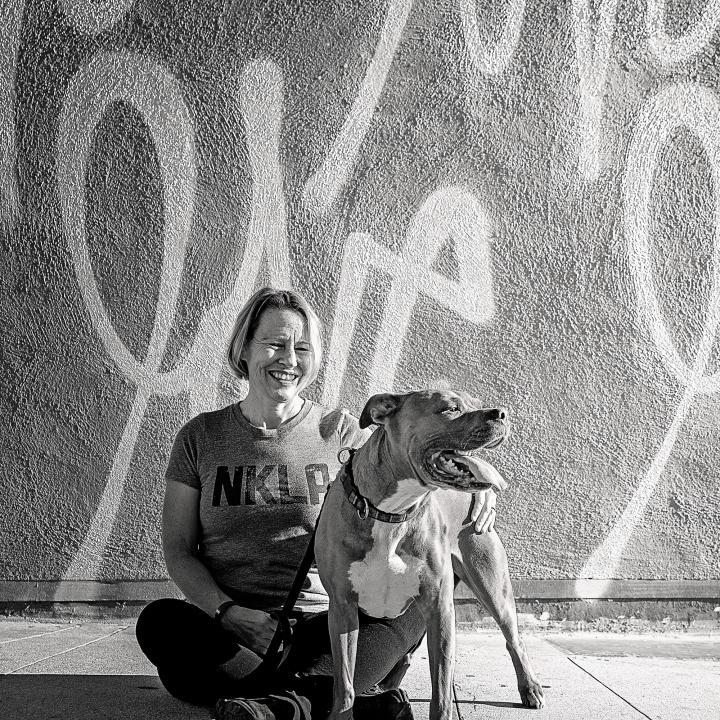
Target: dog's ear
378,408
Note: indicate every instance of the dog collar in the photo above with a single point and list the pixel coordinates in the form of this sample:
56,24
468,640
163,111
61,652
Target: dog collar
363,506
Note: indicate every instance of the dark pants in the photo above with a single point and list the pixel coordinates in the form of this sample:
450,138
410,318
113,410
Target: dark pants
191,651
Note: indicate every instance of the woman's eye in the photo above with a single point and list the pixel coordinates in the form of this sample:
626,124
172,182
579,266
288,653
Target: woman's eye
451,409
302,349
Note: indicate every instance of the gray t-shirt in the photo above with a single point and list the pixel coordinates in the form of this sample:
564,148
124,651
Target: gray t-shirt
260,495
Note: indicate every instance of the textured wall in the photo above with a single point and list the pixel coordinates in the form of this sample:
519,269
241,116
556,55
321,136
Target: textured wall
521,199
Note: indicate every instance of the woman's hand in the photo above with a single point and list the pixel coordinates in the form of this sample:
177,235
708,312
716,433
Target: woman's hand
483,510
254,629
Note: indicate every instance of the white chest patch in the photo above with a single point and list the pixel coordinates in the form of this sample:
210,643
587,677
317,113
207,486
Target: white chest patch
386,580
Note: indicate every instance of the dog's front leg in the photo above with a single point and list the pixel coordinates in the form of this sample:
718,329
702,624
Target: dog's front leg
441,650
343,626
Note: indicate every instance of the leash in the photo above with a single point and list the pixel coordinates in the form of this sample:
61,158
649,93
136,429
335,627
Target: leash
363,506
274,657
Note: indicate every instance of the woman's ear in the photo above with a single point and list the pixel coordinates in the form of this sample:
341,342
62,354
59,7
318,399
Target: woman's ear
379,408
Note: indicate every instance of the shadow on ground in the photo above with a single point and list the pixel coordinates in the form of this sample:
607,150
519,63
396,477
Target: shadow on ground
89,697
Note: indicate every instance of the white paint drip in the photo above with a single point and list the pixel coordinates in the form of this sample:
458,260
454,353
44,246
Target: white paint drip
448,213
11,15
592,63
123,76
671,51
386,580
494,60
323,187
696,108
91,17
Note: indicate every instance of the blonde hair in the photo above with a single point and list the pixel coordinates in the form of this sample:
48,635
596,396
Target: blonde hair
248,319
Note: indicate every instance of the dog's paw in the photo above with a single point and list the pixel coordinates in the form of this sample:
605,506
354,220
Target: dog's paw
532,695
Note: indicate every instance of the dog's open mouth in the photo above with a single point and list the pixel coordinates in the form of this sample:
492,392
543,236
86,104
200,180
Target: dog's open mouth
466,469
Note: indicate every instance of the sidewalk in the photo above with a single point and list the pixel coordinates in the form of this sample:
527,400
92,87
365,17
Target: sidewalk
94,671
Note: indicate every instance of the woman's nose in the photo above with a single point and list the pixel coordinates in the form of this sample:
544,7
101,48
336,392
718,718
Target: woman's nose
288,355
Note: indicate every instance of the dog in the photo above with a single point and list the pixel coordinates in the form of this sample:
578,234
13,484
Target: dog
369,560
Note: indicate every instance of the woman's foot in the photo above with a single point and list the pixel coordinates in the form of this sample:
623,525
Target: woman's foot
283,706
388,705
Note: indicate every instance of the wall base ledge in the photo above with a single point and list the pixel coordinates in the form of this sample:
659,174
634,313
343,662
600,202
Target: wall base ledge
526,590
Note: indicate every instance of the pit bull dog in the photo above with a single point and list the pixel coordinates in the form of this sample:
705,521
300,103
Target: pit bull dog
386,538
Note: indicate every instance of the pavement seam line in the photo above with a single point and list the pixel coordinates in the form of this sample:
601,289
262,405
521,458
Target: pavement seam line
457,702
617,694
64,652
30,637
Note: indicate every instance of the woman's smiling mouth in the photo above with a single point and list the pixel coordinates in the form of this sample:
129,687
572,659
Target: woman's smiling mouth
283,377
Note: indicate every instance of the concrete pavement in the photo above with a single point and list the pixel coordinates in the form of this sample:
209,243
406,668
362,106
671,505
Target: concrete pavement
90,670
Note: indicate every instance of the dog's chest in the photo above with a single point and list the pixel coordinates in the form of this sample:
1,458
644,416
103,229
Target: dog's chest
386,579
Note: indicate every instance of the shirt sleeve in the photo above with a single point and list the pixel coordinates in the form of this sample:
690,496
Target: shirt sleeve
183,463
350,433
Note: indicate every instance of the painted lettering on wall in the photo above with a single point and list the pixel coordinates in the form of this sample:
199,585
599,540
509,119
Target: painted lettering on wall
697,109
493,58
670,50
11,14
323,188
449,215
138,81
592,52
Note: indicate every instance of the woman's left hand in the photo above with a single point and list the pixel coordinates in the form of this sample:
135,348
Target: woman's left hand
483,510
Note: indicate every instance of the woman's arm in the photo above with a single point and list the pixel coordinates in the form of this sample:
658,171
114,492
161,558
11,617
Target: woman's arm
180,533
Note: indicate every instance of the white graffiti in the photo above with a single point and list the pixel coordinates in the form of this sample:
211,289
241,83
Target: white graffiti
140,82
696,108
449,213
592,63
11,15
674,50
324,186
260,91
492,61
92,17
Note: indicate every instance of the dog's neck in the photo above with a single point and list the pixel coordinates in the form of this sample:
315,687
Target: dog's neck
388,486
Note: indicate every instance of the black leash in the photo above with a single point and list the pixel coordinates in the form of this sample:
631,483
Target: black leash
274,657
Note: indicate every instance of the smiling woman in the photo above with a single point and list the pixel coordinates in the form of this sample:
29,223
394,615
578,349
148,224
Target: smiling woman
244,487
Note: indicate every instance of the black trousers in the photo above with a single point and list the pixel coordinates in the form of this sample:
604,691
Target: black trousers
192,652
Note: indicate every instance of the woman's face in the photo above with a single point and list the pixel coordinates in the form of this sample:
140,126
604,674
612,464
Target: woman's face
280,356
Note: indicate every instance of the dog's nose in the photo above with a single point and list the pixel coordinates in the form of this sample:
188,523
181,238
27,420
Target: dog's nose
496,414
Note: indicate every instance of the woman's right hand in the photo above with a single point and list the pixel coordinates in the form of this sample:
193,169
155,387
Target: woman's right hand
254,629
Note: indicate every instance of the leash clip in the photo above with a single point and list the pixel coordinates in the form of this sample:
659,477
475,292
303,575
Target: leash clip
363,513
347,453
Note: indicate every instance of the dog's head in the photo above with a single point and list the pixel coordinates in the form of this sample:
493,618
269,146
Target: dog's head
439,434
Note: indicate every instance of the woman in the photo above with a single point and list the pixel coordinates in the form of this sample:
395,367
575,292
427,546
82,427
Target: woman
243,491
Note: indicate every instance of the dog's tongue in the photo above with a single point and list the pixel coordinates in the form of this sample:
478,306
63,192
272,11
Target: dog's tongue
484,472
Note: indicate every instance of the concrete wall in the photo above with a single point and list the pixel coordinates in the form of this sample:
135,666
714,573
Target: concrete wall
521,199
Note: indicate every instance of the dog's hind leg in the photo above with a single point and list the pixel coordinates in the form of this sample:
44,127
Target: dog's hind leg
482,565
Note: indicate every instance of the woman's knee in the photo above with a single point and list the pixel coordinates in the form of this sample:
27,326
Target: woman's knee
171,630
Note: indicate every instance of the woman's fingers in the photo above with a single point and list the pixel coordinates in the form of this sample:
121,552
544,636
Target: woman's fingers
483,510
